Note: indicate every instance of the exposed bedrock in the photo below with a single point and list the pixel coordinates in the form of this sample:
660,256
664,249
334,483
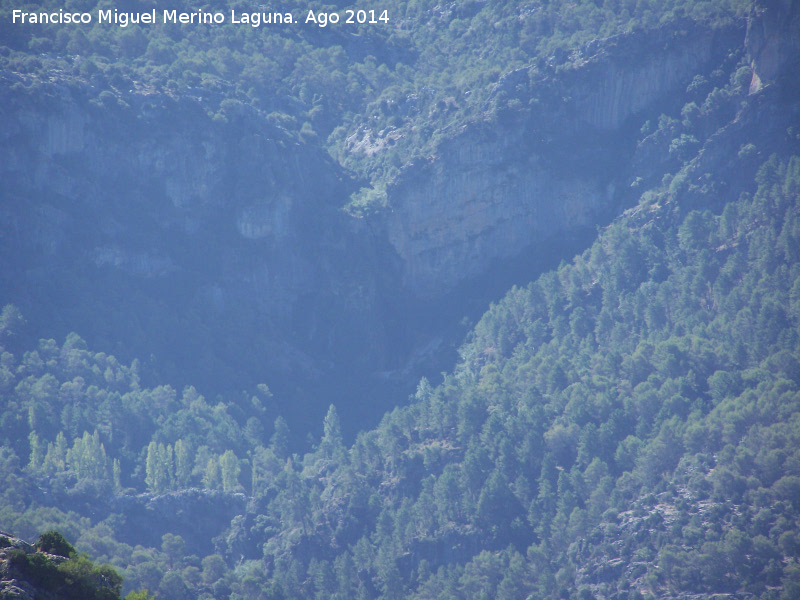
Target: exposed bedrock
555,165
773,41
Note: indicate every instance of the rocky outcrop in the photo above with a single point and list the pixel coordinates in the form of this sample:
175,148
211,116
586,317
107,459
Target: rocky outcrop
52,570
773,43
12,584
473,204
196,515
543,170
613,79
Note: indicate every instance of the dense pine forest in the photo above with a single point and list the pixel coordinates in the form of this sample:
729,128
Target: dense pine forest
624,426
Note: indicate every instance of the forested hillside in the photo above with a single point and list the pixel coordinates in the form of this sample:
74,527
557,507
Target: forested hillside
428,68
630,419
625,426
209,181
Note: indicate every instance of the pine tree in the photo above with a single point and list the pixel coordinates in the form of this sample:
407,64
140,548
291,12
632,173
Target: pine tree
229,467
158,468
87,458
331,443
117,476
183,464
168,460
151,467
36,460
279,442
211,477
55,461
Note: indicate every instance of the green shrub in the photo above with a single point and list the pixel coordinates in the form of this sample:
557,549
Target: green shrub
53,542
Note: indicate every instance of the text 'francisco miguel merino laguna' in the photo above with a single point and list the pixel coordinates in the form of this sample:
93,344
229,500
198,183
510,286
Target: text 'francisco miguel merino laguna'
199,17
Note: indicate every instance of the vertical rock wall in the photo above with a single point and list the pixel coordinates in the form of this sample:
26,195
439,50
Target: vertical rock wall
497,187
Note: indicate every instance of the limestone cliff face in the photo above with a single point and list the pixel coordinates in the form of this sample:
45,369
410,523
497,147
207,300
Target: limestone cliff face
142,222
541,171
472,204
773,41
616,78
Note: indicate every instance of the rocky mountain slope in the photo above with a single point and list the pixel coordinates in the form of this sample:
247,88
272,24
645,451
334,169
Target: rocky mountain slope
215,241
622,426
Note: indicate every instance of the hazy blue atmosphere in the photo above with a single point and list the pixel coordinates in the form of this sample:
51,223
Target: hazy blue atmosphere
389,300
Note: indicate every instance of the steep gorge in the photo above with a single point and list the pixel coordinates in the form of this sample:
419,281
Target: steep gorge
616,429
216,242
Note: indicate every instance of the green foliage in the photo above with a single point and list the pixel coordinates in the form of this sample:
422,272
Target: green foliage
87,458
640,399
53,542
11,320
367,201
75,578
628,421
229,471
159,467
380,94
140,595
